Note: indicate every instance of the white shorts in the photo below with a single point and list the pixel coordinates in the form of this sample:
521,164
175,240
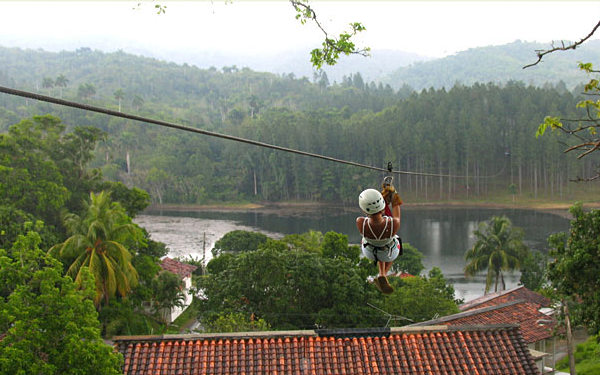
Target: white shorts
387,253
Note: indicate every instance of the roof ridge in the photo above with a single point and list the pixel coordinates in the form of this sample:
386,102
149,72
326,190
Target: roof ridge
333,333
218,335
470,312
489,297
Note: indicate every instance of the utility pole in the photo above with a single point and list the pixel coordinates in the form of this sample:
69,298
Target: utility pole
204,254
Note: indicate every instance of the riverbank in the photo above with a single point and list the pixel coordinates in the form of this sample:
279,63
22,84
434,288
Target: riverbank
303,208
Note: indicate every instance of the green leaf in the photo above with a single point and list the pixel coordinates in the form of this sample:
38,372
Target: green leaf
591,85
549,121
587,67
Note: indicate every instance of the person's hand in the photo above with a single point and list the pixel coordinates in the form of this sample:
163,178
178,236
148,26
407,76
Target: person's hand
387,192
396,200
390,195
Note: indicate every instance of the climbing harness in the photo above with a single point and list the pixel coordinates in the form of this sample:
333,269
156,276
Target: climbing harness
381,246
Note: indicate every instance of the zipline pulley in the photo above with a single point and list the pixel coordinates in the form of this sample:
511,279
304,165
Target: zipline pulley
389,179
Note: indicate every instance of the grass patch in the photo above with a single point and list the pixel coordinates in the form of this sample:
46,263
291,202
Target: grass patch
587,358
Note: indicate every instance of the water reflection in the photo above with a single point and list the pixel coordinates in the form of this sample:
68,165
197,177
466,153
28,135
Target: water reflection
442,235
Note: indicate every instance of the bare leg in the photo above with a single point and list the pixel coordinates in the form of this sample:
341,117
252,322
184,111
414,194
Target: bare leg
382,268
388,266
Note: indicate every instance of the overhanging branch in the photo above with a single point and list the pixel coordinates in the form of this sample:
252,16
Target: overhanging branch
541,53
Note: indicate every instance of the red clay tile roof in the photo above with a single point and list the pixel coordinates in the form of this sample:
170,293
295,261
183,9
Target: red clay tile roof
178,268
441,350
402,275
535,326
518,293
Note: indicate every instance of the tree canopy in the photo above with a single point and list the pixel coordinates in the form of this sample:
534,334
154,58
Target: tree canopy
574,270
304,288
50,324
237,241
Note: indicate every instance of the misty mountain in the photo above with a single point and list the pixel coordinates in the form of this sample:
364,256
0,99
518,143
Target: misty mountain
294,61
379,64
498,64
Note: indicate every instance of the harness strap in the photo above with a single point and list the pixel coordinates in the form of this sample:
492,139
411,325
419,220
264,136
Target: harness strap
387,248
387,220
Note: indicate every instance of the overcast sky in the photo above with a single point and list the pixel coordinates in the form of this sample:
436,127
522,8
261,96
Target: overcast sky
427,28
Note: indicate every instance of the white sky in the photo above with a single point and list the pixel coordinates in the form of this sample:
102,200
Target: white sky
429,28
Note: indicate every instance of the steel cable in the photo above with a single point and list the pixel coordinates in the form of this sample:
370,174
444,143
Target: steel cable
109,112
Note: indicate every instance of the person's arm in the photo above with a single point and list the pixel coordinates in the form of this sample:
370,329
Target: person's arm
359,224
396,217
396,202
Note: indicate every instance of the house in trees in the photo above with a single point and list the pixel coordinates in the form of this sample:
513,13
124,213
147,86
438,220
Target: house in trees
441,350
184,271
531,311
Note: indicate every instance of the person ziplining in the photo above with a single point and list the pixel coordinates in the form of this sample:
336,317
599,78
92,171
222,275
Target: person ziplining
380,243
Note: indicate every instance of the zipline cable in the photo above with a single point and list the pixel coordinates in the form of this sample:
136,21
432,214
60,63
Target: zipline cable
91,108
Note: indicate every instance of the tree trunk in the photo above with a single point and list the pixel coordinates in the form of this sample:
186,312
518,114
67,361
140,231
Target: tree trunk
569,339
496,284
477,186
424,178
449,184
520,179
441,179
535,181
158,193
467,181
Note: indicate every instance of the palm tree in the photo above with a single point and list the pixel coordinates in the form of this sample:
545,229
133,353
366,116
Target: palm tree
137,102
61,81
499,247
119,95
97,242
47,83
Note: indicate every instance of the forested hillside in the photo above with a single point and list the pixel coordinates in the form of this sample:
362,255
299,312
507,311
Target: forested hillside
477,131
498,64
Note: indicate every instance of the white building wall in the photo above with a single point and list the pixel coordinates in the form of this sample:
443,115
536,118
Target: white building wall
176,311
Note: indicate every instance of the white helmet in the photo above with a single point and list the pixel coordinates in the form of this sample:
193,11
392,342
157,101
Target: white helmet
371,201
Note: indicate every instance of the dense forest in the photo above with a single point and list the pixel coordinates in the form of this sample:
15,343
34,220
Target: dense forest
484,132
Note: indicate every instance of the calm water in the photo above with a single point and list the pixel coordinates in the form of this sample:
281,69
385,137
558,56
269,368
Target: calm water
442,235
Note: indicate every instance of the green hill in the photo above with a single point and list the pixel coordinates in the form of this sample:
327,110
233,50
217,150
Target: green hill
498,64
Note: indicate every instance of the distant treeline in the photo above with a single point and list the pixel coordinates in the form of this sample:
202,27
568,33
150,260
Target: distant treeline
477,131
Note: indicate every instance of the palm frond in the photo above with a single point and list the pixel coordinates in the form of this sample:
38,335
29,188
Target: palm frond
110,278
75,267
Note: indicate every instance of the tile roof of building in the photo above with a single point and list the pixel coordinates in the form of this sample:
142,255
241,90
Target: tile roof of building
402,275
178,268
535,325
518,293
440,350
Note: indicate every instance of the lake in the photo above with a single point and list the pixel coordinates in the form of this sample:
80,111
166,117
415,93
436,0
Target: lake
441,234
